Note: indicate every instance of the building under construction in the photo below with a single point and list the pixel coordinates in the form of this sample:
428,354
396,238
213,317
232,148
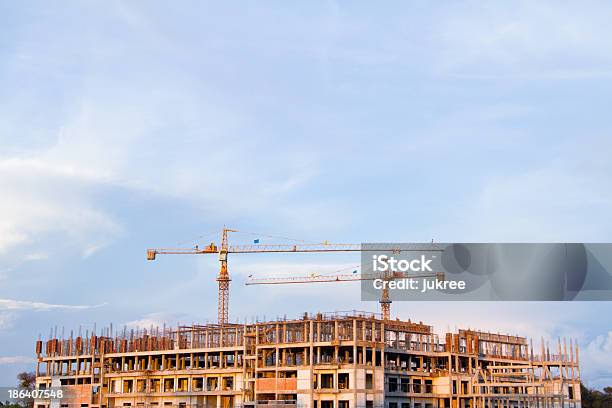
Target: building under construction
340,360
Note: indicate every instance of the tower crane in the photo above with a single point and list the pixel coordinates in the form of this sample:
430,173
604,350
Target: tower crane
223,278
385,301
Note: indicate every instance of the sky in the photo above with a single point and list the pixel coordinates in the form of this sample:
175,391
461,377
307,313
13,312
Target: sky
129,125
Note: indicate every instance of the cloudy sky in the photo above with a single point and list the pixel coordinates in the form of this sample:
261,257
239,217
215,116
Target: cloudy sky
126,125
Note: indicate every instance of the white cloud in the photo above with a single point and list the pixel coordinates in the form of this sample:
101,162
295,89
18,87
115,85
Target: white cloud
11,304
40,197
596,360
157,130
539,40
91,249
541,203
159,319
52,190
6,320
36,256
17,360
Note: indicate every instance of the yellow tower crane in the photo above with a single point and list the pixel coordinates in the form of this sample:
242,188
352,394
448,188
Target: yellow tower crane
385,300
223,278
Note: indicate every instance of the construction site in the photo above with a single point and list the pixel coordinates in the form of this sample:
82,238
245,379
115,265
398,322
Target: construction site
319,360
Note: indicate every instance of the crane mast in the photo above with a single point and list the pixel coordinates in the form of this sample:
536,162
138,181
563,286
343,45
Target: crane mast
223,280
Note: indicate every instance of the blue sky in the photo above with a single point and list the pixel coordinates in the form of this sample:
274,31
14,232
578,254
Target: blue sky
126,125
